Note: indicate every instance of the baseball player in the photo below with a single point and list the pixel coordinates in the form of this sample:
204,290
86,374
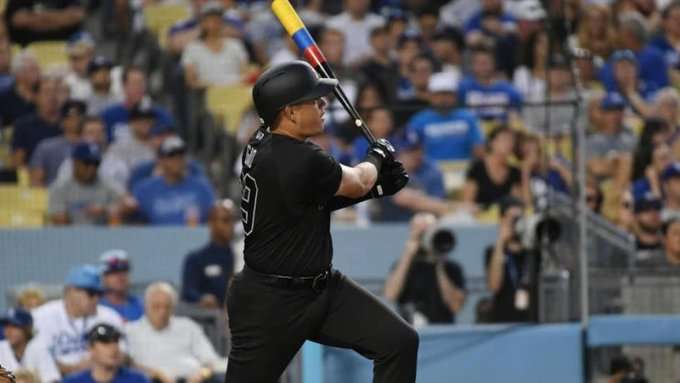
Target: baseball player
288,291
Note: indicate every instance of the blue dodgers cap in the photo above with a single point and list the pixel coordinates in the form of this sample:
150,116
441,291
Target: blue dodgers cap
85,277
625,55
647,202
613,101
87,152
99,62
672,170
114,260
17,317
79,42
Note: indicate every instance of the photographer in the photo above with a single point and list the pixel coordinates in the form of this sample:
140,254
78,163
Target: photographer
506,268
428,287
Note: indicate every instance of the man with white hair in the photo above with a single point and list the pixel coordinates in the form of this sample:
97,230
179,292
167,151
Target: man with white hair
19,99
168,347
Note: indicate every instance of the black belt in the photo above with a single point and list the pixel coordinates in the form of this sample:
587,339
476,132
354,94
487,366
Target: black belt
316,282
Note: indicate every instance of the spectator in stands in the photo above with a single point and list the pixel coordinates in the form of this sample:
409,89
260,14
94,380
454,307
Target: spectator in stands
531,75
84,198
107,358
115,274
356,22
33,128
168,347
63,323
652,68
649,180
38,20
484,86
425,190
92,131
152,168
213,59
638,93
447,133
668,38
491,22
102,95
491,178
412,93
670,184
671,241
19,99
596,33
507,268
381,122
51,152
30,297
625,218
21,350
448,47
380,68
429,287
647,226
540,173
174,198
207,271
128,152
80,50
667,108
6,77
595,198
117,116
612,140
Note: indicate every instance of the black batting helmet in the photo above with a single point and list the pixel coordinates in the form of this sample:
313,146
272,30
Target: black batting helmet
287,84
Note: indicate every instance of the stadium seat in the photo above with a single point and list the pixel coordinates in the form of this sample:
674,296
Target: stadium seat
50,54
21,218
23,199
228,103
159,18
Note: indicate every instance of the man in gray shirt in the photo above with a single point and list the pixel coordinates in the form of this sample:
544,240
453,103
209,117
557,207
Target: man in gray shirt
83,198
51,152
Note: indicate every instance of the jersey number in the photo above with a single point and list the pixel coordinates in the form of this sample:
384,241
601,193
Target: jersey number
248,203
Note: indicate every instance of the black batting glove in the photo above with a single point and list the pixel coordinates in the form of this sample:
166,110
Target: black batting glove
380,152
391,179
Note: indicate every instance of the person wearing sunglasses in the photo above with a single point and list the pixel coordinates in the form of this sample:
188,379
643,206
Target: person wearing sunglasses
63,324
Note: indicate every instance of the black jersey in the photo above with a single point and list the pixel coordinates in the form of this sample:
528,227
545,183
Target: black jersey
286,185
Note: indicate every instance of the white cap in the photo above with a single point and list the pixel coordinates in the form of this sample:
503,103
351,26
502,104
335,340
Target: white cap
443,82
530,10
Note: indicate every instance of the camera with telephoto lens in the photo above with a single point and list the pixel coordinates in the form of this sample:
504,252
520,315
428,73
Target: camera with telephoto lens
534,229
438,240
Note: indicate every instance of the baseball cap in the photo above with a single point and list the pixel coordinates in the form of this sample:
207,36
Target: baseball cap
142,110
99,62
87,152
17,317
171,146
671,171
443,82
613,101
647,202
529,10
84,277
409,141
114,260
103,332
73,107
625,54
79,43
211,8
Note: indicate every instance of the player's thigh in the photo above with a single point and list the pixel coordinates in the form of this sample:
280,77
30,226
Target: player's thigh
358,320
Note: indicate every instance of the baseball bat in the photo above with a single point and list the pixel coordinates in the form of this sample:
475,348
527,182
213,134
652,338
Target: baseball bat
290,20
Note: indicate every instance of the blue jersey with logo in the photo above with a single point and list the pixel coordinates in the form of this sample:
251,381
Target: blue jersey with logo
446,136
500,97
124,375
670,55
116,118
165,204
652,71
131,310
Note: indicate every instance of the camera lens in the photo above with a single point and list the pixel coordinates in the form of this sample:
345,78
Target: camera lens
443,241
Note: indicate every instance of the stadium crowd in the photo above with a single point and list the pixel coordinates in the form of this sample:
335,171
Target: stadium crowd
482,99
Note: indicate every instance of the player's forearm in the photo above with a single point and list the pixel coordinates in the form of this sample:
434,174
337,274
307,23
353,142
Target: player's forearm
368,174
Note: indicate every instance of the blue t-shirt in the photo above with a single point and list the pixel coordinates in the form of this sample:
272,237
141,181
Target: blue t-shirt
671,56
474,23
652,71
473,94
449,136
165,204
428,179
207,271
124,375
132,310
145,170
13,106
117,116
29,131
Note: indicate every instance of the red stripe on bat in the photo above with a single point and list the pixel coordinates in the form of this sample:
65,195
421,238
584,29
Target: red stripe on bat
314,56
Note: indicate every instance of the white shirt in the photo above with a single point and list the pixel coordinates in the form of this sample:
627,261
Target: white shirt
64,336
36,359
179,350
79,87
217,68
357,34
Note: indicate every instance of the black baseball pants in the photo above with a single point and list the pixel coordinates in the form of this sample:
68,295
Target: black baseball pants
269,324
